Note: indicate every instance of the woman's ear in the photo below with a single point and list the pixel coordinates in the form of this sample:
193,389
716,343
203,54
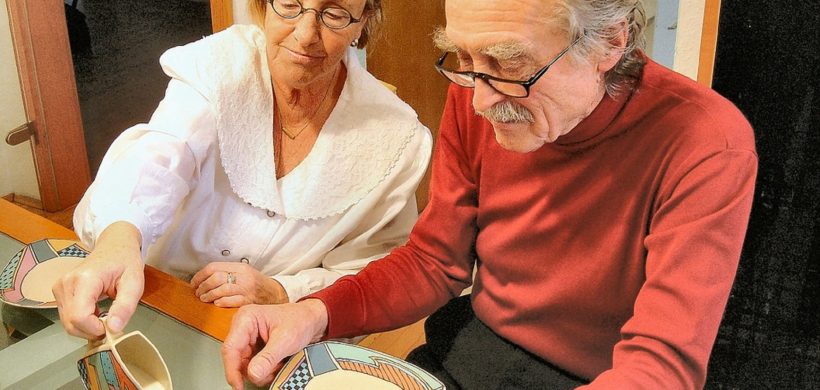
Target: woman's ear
616,48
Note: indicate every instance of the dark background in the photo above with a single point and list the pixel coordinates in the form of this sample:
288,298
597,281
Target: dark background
116,46
767,64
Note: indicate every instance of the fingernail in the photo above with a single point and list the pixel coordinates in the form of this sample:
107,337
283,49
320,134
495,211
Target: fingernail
115,324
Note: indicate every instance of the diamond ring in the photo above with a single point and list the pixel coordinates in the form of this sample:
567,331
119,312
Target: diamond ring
231,278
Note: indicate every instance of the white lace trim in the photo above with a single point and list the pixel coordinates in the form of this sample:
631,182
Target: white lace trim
360,144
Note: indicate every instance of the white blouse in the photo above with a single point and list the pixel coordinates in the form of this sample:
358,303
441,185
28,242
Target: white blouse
199,180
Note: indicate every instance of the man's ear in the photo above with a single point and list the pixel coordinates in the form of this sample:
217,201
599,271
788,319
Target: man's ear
618,43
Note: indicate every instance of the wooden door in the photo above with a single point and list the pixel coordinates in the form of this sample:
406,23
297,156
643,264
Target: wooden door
50,97
404,56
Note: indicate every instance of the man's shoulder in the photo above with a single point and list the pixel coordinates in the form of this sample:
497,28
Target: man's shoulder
697,112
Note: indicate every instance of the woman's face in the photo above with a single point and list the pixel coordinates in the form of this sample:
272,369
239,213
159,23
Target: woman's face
303,50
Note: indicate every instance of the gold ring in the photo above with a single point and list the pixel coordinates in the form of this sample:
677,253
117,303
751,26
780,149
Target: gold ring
231,278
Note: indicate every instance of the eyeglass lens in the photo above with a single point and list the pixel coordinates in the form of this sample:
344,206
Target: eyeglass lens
332,17
467,79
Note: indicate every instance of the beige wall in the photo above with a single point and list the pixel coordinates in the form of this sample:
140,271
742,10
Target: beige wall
17,173
687,40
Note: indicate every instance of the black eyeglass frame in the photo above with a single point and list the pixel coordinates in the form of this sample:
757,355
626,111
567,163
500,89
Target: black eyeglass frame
319,14
487,78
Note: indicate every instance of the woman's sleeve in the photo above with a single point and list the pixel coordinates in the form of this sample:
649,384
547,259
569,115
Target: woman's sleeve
389,213
148,170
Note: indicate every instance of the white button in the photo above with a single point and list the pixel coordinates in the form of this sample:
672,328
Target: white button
225,252
244,260
271,213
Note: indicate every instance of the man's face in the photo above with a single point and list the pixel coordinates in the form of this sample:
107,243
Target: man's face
513,39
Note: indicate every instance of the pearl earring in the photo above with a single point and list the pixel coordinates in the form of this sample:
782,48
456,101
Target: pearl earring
354,43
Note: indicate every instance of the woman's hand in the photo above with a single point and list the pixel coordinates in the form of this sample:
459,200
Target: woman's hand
236,284
283,329
114,268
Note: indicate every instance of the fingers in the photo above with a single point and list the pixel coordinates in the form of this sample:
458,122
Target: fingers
215,280
238,347
200,277
223,290
285,330
212,268
76,297
231,301
128,293
264,365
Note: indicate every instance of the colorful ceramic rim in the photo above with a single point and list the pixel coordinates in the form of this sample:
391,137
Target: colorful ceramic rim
28,258
321,358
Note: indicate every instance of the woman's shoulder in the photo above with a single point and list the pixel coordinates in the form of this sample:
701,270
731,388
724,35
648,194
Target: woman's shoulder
213,61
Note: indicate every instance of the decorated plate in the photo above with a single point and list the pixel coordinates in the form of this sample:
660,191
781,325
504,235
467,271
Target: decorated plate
333,365
27,279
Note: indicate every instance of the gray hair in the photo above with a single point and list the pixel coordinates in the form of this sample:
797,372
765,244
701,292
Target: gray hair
372,9
598,23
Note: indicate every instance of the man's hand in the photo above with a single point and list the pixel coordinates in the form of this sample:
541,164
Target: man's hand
246,285
114,268
283,330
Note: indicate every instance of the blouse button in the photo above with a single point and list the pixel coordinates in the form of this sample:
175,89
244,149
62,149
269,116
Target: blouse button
271,213
244,260
225,252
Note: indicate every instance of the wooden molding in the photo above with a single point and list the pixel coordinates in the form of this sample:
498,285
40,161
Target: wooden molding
40,39
708,42
221,14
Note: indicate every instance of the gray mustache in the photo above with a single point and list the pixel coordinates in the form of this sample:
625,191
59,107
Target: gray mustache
507,112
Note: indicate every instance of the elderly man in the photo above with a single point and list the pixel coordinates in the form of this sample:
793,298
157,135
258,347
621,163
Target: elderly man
601,200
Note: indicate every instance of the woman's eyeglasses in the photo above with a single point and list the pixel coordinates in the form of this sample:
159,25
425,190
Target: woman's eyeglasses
332,17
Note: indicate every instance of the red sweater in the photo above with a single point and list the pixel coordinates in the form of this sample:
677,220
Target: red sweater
609,253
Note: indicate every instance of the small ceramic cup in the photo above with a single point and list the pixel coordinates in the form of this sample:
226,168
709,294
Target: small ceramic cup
123,362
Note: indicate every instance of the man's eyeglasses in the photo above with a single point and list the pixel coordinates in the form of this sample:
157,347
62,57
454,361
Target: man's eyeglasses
511,88
333,17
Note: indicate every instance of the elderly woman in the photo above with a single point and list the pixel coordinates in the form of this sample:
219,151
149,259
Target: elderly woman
274,165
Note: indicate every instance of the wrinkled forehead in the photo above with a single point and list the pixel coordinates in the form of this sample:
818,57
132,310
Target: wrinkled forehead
475,25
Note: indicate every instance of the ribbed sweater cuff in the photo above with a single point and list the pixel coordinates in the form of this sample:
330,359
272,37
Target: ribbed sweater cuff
345,311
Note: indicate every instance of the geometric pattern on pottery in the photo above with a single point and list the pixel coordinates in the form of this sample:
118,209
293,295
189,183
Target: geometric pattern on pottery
11,278
299,378
73,251
101,371
386,371
315,360
7,277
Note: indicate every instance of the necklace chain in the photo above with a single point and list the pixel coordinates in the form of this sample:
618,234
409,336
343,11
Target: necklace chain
292,134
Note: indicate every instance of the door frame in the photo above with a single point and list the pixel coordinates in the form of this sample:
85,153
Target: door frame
221,14
708,42
40,39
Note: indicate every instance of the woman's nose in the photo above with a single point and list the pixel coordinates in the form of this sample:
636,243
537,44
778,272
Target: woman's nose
308,27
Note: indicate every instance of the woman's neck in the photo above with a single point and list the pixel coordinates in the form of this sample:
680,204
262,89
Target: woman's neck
302,101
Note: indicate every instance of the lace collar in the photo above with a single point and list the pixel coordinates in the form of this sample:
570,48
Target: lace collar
358,147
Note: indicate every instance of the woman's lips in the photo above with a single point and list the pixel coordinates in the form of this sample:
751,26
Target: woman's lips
300,57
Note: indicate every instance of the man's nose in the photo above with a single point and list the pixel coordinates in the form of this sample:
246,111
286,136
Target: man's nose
485,96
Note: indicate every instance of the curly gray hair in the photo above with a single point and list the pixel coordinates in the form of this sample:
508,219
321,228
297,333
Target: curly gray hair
372,9
598,23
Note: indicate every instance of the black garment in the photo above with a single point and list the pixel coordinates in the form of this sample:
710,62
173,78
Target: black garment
79,37
465,354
